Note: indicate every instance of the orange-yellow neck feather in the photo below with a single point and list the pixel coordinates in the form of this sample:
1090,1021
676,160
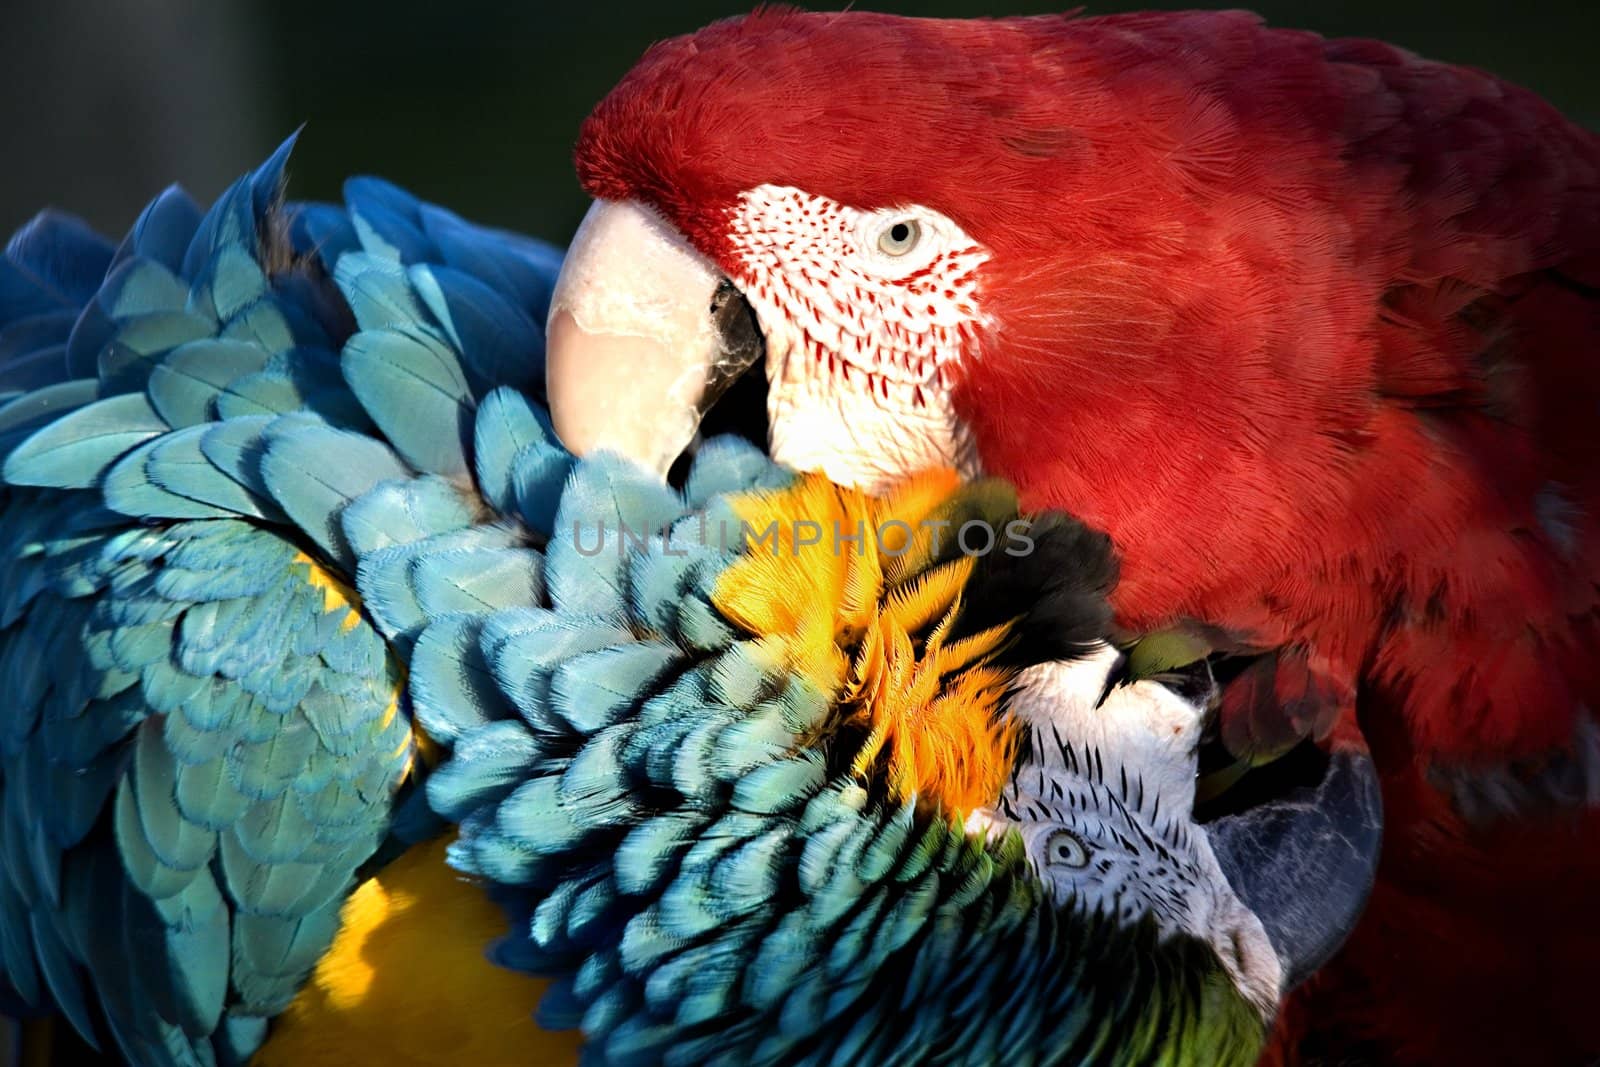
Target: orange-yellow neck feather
844,587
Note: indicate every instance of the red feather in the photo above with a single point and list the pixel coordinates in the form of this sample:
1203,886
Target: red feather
1312,328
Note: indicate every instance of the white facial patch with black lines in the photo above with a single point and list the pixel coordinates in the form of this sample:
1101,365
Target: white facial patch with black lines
1103,797
1110,839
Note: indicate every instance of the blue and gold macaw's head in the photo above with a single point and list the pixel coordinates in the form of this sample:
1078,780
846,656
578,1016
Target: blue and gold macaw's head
329,668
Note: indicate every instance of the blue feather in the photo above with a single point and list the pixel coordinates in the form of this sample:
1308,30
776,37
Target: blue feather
139,860
386,234
74,740
236,447
662,576
729,464
193,940
384,578
32,333
488,761
594,786
525,647
451,687
90,335
23,296
477,579
61,975
164,229
498,343
506,424
266,181
130,489
38,369
231,282
386,218
273,325
595,689
20,417
378,292
61,256
73,802
539,475
413,388
608,506
271,954
29,336
323,230
140,287
650,850
185,386
559,1009
297,380
313,491
75,450
16,942
205,792
178,465
772,788
177,843
520,269
535,816
280,890
141,342
241,1032
398,513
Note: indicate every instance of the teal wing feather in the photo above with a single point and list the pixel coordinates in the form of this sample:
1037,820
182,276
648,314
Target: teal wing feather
212,434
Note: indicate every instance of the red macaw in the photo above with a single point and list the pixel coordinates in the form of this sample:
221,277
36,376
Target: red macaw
1309,326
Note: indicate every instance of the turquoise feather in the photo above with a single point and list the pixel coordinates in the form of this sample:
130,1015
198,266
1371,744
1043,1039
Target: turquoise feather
185,386
415,390
312,491
506,425
214,391
75,450
399,513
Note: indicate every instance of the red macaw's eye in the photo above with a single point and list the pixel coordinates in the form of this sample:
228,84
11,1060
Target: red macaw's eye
899,237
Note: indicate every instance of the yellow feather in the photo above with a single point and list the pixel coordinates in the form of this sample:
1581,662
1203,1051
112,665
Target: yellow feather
335,594
931,595
407,982
865,621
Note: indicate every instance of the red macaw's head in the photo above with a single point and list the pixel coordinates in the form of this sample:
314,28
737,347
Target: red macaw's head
1102,258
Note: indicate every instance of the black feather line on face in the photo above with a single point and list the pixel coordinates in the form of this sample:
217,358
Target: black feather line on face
1057,591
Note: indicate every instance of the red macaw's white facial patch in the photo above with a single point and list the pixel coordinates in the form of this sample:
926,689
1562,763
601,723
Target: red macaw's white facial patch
867,315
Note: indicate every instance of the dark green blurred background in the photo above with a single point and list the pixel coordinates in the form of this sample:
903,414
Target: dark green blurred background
474,103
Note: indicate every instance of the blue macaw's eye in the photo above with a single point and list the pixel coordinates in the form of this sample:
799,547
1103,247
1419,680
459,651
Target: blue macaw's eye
899,237
1066,849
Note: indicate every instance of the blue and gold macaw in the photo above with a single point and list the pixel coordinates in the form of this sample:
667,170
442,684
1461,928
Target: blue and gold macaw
352,720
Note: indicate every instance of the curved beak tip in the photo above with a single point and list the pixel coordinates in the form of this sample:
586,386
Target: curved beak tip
1305,863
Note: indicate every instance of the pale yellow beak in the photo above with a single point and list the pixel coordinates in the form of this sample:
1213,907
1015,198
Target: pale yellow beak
636,349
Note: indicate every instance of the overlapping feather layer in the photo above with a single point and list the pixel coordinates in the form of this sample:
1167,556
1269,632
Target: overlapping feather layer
284,524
